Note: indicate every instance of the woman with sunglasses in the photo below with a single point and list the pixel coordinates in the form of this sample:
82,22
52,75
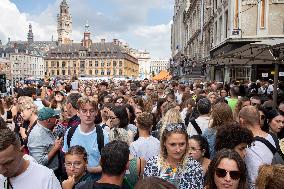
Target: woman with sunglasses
174,164
226,170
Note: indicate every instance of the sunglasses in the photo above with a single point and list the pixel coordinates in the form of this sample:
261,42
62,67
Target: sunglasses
262,117
235,175
175,126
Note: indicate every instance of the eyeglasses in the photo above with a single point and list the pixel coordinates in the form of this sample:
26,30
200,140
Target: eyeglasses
76,165
112,118
175,126
235,175
191,149
262,117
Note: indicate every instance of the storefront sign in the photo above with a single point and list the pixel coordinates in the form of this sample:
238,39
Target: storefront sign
281,74
264,74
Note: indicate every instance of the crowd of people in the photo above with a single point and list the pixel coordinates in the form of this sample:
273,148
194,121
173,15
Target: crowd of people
144,134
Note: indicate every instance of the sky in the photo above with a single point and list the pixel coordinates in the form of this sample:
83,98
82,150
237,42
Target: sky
143,24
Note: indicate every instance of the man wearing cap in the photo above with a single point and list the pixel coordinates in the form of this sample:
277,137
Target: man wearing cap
43,145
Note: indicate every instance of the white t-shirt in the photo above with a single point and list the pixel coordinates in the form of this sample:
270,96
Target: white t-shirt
145,147
203,123
35,177
258,154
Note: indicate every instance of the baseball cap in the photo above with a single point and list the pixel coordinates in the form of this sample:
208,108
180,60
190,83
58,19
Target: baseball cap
46,113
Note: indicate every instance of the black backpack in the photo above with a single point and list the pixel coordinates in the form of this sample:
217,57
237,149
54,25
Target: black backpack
196,127
278,156
100,136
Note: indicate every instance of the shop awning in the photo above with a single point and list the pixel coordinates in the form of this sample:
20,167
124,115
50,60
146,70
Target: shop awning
163,75
260,52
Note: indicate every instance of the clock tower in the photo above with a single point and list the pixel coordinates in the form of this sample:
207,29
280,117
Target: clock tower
64,24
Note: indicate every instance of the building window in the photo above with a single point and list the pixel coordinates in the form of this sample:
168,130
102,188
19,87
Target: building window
57,72
82,64
57,64
102,72
120,72
96,63
236,15
108,72
102,63
120,63
52,72
63,72
262,13
63,64
90,64
96,72
114,63
90,72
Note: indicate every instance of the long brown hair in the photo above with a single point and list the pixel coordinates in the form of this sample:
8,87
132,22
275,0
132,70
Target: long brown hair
221,114
270,176
232,155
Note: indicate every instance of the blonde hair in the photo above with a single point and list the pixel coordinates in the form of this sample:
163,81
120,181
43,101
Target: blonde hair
172,116
25,99
270,176
85,100
29,105
210,94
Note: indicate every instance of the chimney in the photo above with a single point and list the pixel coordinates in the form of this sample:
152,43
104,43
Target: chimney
115,41
9,39
103,40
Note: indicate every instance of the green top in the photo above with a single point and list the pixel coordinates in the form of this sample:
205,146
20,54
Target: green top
131,178
232,102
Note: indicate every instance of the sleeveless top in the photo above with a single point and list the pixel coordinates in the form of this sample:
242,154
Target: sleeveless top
132,177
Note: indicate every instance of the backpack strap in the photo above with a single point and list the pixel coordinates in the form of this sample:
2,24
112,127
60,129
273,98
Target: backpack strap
267,143
70,133
100,137
196,127
276,141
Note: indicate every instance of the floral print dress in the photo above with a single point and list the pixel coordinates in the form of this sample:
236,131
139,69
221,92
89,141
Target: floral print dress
187,176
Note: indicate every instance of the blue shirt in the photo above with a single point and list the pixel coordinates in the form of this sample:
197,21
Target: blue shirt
89,142
40,143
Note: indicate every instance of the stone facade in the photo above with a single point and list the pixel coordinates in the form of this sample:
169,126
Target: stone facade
25,62
158,65
93,60
144,61
211,25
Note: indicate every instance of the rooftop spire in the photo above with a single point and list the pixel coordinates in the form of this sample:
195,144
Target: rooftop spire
30,34
87,26
64,2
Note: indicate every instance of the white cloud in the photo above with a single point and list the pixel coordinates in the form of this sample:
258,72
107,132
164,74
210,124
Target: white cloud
13,23
128,24
155,39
